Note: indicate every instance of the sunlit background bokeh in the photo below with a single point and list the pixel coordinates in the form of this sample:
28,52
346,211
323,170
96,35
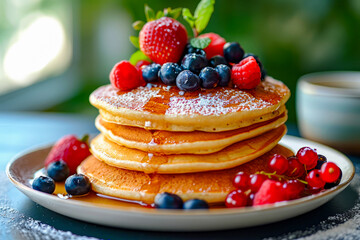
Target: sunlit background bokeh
54,53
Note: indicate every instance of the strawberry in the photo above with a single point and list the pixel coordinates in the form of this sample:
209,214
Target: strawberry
216,46
270,192
69,149
163,40
125,76
246,74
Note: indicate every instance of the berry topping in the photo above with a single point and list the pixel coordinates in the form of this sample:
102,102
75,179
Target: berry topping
270,192
150,73
124,76
58,171
233,52
307,156
293,189
217,60
256,180
69,149
251,199
169,72
209,77
236,198
278,164
330,172
188,81
216,45
314,179
196,204
333,184
44,184
168,201
246,74
295,168
77,184
262,69
163,40
224,72
194,62
241,180
321,160
141,63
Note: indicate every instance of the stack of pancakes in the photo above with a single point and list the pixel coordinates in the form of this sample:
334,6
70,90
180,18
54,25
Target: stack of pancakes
160,139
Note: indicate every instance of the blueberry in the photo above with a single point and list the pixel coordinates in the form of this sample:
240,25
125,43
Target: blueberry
217,60
150,72
44,184
262,69
58,171
168,201
77,184
169,72
188,81
196,204
321,160
331,185
209,77
233,52
224,72
194,62
191,49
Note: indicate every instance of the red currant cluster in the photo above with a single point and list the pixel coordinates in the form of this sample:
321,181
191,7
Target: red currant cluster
287,179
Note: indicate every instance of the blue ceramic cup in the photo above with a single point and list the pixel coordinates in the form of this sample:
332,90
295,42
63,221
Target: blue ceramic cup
328,109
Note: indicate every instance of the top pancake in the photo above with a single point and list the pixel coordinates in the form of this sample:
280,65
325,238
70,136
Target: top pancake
164,107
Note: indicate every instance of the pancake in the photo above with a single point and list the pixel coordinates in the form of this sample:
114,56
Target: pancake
209,186
197,142
167,108
231,156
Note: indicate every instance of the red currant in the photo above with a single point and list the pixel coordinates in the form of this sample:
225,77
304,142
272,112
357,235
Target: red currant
314,190
251,199
236,198
256,181
241,180
295,169
307,156
321,160
314,179
312,166
330,172
278,164
293,188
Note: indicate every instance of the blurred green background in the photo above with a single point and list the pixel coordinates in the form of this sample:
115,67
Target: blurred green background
291,38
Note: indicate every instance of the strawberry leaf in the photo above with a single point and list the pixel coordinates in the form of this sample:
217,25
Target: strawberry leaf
203,13
175,13
200,42
188,17
149,13
137,56
159,14
135,41
138,25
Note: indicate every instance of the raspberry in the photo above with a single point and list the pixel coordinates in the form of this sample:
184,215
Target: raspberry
216,46
270,192
246,74
125,76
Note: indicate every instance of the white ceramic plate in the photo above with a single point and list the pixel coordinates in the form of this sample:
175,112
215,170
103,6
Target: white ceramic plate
23,167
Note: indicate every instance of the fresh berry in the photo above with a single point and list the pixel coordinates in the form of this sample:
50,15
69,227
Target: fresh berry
77,184
233,52
241,180
194,62
330,172
168,201
163,40
295,168
321,160
216,45
69,149
58,171
188,81
293,189
333,184
209,77
262,69
246,74
256,180
307,156
251,199
169,72
224,72
124,76
314,179
141,63
236,198
150,73
314,190
196,204
191,49
270,192
311,167
217,60
44,184
278,164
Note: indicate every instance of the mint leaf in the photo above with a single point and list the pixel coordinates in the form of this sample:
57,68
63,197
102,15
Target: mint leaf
135,41
200,42
137,56
188,17
159,14
149,13
138,25
203,13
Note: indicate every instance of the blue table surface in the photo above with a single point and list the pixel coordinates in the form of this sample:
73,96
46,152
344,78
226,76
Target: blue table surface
21,218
